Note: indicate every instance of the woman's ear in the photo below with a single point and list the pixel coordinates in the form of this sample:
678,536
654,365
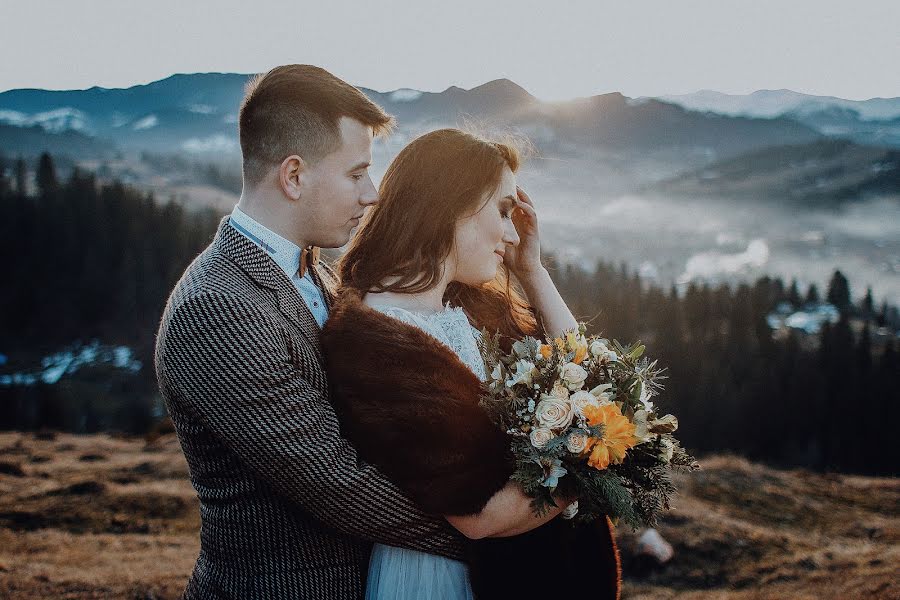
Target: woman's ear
291,176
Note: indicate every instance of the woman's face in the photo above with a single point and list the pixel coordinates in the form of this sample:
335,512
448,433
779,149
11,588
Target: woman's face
482,238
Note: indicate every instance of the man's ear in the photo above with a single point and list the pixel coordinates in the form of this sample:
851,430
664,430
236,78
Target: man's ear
292,176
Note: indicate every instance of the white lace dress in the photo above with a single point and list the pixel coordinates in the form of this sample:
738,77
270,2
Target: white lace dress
399,573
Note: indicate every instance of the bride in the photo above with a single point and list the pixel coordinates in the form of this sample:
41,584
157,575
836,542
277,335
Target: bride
428,269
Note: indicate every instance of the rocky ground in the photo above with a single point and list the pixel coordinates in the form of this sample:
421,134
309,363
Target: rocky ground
108,517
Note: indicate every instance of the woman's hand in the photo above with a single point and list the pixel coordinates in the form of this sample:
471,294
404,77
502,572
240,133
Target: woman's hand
524,260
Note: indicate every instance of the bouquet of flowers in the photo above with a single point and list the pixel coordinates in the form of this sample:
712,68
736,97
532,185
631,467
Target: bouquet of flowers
580,416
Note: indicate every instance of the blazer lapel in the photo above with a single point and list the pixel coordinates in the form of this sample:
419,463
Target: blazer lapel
254,261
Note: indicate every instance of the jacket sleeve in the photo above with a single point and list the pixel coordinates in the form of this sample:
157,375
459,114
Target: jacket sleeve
251,396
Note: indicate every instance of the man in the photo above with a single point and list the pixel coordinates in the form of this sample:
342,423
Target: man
287,510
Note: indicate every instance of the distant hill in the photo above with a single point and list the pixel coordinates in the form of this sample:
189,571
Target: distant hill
773,103
823,172
34,139
875,121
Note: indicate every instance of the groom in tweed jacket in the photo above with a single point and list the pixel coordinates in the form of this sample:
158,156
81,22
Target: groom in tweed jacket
287,510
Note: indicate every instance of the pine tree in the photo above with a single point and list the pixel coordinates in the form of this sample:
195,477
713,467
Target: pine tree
21,177
46,175
4,179
839,292
867,305
812,296
794,294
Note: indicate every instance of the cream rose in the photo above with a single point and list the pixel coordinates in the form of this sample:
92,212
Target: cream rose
598,349
576,442
580,399
554,413
540,437
573,375
560,391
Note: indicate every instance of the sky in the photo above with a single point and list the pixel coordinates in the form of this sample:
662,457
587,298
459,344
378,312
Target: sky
555,50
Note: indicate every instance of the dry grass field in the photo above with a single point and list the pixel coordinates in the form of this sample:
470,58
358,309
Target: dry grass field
107,517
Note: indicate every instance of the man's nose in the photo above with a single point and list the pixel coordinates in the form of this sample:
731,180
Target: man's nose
370,194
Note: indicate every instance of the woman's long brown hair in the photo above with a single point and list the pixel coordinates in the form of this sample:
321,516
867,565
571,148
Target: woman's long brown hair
436,180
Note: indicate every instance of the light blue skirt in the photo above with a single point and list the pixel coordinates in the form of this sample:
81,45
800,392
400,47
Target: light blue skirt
401,574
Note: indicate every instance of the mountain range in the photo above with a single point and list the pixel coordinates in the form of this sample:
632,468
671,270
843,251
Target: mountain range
622,143
198,113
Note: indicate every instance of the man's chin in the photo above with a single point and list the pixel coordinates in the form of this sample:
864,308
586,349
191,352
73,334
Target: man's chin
337,241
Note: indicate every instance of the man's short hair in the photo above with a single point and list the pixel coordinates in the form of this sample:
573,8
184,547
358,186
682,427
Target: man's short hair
296,109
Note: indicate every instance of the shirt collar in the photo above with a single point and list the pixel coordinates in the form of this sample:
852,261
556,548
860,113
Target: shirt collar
286,254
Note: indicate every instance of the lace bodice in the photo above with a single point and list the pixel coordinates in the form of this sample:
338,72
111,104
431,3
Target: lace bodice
450,327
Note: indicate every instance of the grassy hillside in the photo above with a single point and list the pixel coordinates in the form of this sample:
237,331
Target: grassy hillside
106,517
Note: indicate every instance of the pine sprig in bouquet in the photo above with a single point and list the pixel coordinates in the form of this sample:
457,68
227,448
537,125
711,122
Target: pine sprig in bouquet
579,412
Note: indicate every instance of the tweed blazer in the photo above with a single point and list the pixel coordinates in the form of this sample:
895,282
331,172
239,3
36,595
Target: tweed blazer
287,508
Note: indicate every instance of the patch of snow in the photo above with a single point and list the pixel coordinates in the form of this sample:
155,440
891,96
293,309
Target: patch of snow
51,121
215,143
70,360
405,95
145,123
14,117
202,109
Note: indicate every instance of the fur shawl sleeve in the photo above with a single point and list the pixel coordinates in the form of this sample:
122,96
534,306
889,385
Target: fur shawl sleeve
410,407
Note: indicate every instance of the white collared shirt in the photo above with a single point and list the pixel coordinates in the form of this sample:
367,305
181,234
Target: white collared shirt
286,255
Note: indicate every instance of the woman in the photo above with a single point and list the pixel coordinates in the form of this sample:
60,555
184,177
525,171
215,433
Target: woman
427,270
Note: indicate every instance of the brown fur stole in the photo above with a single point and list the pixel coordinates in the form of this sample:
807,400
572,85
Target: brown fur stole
410,406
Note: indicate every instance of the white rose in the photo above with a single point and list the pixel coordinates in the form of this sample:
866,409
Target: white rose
611,356
524,373
554,413
496,375
581,399
598,348
576,442
520,348
573,375
540,437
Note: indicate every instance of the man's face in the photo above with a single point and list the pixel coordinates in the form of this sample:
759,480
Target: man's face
338,188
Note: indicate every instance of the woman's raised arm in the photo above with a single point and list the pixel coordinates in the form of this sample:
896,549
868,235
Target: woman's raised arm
525,263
